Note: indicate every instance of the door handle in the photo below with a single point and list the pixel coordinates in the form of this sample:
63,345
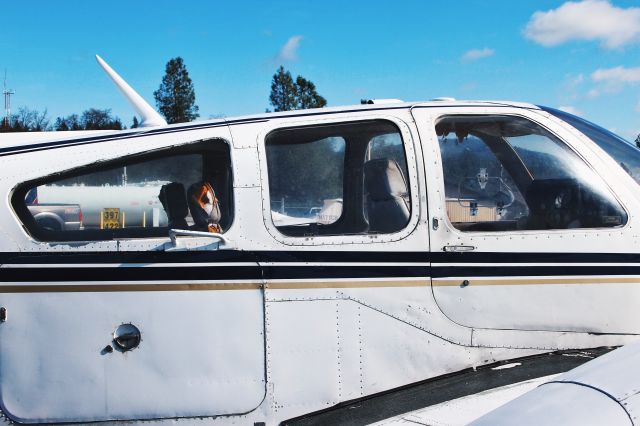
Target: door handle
458,248
174,233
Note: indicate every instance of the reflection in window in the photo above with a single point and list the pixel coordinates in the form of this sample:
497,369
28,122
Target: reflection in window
134,199
123,197
507,173
338,179
625,153
307,181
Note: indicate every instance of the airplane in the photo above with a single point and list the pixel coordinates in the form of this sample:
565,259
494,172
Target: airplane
205,286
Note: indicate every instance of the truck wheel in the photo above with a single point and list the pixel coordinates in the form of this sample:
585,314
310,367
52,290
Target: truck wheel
49,224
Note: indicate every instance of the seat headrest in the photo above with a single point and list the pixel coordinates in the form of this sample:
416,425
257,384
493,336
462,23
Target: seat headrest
542,193
174,200
200,217
383,179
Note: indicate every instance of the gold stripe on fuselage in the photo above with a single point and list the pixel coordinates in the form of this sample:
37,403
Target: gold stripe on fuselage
279,285
297,285
448,282
302,285
106,288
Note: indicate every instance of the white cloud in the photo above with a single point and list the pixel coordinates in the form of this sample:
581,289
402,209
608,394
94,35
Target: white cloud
570,110
590,20
289,52
617,75
593,93
613,80
475,54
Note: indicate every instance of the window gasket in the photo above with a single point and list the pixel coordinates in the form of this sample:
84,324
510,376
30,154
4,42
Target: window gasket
29,224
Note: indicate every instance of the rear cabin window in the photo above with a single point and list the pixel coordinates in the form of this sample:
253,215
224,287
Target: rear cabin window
339,179
508,173
140,197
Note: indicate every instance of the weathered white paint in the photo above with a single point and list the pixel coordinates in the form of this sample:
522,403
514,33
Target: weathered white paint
277,353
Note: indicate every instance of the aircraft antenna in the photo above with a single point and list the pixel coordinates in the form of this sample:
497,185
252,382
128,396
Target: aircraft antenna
7,100
150,117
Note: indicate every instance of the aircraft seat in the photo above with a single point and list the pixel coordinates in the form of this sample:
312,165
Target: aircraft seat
174,200
554,204
386,196
203,220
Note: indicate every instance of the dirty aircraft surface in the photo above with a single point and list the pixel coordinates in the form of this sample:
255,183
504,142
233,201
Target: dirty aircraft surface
276,267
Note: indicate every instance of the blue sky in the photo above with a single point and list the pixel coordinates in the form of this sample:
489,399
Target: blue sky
583,56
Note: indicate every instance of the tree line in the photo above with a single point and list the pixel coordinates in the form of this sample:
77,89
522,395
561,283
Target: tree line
175,99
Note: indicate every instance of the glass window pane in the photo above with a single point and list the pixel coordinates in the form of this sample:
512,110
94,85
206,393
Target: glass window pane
388,146
508,173
306,184
625,153
136,199
338,179
118,198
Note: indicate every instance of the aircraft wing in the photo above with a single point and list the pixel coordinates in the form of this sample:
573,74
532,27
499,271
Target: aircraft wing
458,398
605,390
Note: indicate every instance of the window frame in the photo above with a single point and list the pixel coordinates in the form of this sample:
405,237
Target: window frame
501,113
408,141
28,222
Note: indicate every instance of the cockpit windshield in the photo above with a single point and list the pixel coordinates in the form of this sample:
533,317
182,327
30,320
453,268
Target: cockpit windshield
627,155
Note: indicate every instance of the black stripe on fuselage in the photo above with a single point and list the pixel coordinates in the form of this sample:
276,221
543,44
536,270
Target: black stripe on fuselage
287,272
201,265
211,256
532,258
332,272
490,258
209,273
79,274
532,271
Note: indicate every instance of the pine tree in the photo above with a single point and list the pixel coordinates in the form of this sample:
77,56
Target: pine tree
283,91
61,124
176,96
135,123
71,122
287,95
307,96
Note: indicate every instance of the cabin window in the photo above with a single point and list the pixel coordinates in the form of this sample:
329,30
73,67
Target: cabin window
338,179
137,197
507,173
625,153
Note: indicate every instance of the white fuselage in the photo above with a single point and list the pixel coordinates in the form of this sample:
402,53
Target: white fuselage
272,326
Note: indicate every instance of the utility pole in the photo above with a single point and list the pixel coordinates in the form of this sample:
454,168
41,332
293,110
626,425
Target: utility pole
7,100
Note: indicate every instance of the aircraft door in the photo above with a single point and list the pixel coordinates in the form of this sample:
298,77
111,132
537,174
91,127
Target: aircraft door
138,327
341,205
519,224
